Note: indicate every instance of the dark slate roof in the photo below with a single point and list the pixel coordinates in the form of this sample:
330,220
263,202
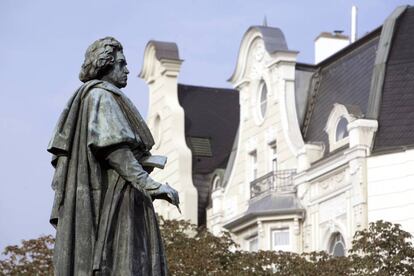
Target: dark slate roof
203,184
230,162
273,38
165,50
344,79
269,205
373,78
396,118
211,114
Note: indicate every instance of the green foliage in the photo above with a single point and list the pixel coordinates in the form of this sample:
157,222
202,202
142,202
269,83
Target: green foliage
382,249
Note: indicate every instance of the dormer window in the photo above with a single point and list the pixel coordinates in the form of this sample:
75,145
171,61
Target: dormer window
337,125
341,129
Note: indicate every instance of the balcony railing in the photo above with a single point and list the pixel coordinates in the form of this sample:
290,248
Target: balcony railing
276,181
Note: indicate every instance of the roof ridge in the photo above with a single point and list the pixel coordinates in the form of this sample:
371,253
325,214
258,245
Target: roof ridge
384,47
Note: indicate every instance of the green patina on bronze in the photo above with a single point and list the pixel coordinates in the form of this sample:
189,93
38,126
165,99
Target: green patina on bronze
103,211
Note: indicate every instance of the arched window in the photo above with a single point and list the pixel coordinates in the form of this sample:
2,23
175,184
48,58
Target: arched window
337,245
341,129
216,182
157,130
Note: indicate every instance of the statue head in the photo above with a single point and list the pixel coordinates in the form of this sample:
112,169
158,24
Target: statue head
105,60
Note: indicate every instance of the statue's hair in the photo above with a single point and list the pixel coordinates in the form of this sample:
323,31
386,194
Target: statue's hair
99,58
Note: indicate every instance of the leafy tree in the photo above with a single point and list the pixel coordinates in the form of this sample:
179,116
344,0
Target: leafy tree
33,257
191,251
382,249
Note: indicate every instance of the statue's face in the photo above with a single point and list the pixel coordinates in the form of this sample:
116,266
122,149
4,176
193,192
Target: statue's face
118,76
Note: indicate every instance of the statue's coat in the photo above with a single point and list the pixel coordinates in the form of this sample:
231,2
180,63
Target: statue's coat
95,211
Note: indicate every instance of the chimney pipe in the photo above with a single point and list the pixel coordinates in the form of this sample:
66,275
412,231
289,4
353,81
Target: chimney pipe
354,31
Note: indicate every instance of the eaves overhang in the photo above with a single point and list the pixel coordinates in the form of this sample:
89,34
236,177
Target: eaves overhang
252,217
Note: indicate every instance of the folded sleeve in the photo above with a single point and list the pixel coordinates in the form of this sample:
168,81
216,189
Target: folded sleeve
107,123
122,160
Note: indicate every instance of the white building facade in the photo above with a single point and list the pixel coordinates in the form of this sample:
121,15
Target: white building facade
320,151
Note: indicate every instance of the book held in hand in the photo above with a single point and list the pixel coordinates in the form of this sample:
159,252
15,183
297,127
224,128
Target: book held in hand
157,161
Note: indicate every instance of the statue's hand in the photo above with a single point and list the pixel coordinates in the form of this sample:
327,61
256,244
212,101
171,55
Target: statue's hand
169,194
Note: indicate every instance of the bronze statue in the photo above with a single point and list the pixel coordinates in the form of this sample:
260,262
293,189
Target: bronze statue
103,212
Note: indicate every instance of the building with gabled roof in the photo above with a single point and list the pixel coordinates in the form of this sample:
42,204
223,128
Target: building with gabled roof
298,156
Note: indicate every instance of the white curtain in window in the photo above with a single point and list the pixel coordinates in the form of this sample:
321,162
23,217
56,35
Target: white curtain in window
281,239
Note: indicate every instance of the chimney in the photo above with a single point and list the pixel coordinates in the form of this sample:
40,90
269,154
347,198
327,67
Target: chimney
327,44
354,24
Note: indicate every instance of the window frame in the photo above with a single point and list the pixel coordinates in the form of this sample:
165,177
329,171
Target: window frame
261,105
253,165
333,241
273,157
254,238
286,247
157,131
338,112
343,128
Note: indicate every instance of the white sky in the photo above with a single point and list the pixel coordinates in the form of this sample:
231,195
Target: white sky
43,43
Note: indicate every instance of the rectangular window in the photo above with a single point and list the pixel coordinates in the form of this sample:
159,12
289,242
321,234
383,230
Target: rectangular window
253,244
253,165
281,239
273,157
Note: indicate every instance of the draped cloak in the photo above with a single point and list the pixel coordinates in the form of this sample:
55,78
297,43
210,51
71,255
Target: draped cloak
104,226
